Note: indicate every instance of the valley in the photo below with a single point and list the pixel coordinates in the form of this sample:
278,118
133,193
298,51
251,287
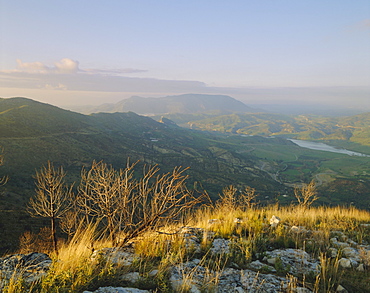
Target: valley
33,133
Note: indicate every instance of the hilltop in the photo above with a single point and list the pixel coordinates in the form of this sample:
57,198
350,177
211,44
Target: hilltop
186,104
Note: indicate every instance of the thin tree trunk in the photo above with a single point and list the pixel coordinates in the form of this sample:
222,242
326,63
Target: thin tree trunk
54,236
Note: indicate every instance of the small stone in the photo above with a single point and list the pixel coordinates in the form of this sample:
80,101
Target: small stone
360,268
298,229
274,221
131,277
351,252
259,266
341,289
153,273
345,263
294,229
333,252
119,256
333,240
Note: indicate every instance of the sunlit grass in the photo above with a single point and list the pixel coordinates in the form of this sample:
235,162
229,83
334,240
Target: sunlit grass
248,230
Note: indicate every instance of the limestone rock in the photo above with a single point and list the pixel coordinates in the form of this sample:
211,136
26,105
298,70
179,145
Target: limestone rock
361,268
334,241
259,266
153,273
333,252
30,267
274,221
131,277
220,246
117,256
341,289
352,253
298,229
345,263
254,282
195,278
296,260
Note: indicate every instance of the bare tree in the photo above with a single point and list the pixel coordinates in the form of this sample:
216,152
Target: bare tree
131,206
51,198
231,199
248,198
228,198
160,198
306,195
104,194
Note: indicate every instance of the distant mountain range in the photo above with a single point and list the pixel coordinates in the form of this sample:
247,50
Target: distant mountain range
185,104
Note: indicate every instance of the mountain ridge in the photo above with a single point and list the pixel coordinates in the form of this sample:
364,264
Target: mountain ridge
186,103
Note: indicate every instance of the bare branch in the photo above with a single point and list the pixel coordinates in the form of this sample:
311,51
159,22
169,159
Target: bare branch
306,195
131,206
51,198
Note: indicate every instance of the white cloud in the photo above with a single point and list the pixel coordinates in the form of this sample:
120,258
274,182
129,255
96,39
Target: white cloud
67,66
64,66
31,67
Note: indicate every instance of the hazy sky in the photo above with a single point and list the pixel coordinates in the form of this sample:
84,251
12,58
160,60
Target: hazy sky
91,52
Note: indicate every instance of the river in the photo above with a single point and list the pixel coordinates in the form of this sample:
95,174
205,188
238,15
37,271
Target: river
319,146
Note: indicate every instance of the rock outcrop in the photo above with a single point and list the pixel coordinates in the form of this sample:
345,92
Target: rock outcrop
30,267
274,270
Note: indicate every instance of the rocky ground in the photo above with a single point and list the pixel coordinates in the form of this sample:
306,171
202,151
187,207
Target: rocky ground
274,271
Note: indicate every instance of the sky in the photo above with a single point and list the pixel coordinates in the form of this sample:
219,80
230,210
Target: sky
268,51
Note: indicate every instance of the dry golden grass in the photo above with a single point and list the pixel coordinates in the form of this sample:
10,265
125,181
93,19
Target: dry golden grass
72,268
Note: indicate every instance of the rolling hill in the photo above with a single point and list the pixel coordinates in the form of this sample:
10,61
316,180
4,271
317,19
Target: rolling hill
306,127
33,132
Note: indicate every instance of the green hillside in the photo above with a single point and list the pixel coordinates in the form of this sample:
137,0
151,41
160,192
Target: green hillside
33,133
353,128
